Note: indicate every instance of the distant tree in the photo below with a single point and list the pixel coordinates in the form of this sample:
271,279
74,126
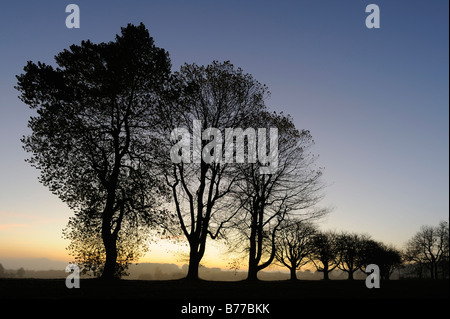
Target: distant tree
429,247
20,272
294,245
325,255
2,271
386,258
445,261
350,247
390,259
92,136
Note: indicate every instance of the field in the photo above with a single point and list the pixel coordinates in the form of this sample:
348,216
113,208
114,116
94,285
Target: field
171,296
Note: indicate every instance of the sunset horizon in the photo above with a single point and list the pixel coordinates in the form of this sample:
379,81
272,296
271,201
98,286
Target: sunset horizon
225,157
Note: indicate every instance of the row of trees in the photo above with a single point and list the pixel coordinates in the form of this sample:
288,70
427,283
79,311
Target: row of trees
103,138
108,119
300,243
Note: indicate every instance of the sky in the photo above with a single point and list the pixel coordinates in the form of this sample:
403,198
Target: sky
376,102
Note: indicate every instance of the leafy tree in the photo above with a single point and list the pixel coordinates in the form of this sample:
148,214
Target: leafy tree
92,133
324,254
294,245
86,244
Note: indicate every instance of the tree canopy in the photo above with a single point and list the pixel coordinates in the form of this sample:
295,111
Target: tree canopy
91,136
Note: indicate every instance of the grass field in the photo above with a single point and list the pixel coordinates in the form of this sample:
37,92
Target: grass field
171,295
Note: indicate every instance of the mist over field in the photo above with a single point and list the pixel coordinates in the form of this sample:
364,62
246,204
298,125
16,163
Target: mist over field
49,269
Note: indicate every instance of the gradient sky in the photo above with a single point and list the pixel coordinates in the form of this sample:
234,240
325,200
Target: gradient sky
375,100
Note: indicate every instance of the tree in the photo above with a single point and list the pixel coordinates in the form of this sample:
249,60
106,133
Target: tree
429,247
203,102
294,245
390,259
92,136
289,191
86,244
350,247
386,258
324,254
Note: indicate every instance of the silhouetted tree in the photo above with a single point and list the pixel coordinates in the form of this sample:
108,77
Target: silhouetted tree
291,190
2,271
86,244
386,258
444,233
429,247
219,96
350,247
294,245
92,136
324,254
390,259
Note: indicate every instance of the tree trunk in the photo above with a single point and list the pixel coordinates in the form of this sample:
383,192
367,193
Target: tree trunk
436,274
252,262
194,263
252,271
325,271
197,249
109,272
350,275
252,256
431,267
109,241
293,273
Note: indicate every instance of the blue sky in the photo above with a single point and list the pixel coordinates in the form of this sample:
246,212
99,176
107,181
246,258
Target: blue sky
375,100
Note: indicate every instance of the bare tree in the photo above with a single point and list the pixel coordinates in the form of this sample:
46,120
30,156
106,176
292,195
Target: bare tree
265,200
205,101
325,255
294,245
429,247
350,247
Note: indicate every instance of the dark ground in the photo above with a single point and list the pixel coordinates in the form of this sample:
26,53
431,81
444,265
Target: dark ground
283,296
